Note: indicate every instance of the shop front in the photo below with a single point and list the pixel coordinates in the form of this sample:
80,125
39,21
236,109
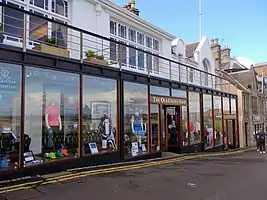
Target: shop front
170,129
52,120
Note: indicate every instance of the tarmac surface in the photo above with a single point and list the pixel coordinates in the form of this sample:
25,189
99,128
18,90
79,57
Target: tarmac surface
241,176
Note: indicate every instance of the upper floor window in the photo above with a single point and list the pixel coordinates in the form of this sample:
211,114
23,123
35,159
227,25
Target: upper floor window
140,38
12,23
254,101
156,45
132,35
148,42
40,3
122,31
205,76
60,7
191,75
113,27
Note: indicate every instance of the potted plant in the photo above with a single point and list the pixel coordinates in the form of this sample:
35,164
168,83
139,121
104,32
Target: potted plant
92,57
51,46
2,37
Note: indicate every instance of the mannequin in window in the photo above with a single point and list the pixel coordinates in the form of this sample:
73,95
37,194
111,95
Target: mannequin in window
107,132
52,122
138,127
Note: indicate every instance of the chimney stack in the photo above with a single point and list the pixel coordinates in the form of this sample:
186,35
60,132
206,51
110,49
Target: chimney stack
131,7
225,54
216,53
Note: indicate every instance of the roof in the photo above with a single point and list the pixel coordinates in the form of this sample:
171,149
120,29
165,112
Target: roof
233,64
234,81
190,48
263,64
246,78
127,15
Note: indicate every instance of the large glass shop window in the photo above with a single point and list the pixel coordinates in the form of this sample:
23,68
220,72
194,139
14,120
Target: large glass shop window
99,115
51,115
208,120
194,118
135,119
155,127
10,116
218,120
226,110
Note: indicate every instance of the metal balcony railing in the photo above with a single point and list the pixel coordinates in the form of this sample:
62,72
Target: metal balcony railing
32,31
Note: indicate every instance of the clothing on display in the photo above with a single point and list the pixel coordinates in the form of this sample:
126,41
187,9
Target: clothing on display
50,138
137,124
53,115
108,134
53,124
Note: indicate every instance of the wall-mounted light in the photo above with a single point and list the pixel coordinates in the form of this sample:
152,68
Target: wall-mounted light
98,9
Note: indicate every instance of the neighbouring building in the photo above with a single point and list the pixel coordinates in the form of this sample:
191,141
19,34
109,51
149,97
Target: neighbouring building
249,86
88,82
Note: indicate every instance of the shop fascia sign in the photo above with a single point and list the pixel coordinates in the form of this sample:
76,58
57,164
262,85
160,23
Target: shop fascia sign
229,116
168,100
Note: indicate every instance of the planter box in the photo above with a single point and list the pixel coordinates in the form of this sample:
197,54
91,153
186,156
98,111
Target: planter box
96,61
52,50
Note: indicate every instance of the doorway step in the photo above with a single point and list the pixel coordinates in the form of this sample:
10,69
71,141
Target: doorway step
169,155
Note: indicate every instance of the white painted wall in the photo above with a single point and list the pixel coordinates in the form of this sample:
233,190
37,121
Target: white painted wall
91,17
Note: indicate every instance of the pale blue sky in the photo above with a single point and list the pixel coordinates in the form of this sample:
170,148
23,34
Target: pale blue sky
242,24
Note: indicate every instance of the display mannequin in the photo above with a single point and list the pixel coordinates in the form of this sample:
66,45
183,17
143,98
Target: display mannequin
52,122
108,134
138,126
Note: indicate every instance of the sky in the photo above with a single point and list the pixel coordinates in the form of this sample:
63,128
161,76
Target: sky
240,24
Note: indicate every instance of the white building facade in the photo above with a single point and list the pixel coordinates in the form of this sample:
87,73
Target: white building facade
107,19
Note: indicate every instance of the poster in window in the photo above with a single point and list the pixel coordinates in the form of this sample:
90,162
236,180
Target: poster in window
100,108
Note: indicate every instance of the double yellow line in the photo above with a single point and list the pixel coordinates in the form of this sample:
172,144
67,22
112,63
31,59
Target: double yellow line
72,176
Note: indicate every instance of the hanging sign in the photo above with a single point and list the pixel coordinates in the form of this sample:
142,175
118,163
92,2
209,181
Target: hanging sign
168,100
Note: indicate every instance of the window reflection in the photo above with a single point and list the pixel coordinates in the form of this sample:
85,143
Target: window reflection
10,116
162,91
226,106
135,119
233,106
179,93
218,120
208,121
155,129
184,125
99,115
194,118
51,115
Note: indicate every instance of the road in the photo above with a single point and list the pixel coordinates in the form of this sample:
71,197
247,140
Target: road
241,176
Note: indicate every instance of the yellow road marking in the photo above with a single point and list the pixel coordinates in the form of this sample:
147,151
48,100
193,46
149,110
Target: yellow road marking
77,175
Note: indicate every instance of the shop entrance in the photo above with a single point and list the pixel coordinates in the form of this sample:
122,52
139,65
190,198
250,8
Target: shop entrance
231,133
170,122
171,129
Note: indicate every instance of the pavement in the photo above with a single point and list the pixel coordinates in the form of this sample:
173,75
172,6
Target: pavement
240,175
